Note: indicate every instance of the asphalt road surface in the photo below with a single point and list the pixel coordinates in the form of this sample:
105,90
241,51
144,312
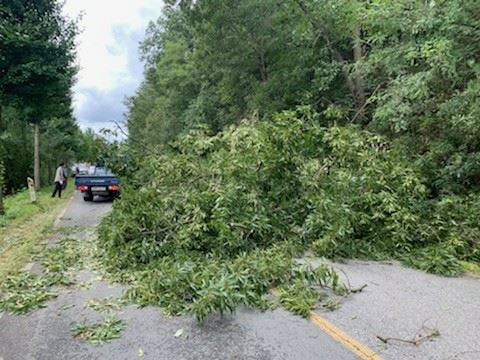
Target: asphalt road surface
406,304
398,303
46,333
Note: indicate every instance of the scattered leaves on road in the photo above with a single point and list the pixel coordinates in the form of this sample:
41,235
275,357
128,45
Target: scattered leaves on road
62,257
110,328
23,292
105,305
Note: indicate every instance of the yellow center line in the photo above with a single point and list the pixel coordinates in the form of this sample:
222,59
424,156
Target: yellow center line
362,351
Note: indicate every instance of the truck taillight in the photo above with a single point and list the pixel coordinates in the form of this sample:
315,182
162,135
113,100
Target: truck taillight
114,187
83,188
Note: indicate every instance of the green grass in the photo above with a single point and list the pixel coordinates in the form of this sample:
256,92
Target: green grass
25,226
19,208
471,268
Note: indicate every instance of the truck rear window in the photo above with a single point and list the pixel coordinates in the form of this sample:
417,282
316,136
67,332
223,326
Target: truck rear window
102,172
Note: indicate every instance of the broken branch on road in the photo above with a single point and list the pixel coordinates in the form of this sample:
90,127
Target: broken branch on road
425,333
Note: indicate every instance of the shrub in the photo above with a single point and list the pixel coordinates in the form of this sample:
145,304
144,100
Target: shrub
436,259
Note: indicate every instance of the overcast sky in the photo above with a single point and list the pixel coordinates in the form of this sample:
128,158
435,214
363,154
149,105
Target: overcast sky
108,56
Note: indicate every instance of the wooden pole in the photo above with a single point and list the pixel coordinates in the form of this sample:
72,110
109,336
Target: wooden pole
36,165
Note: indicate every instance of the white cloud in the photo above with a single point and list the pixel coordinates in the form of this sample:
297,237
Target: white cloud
107,66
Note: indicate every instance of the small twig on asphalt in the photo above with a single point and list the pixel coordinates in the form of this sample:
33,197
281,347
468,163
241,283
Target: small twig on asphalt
351,290
347,278
359,289
416,340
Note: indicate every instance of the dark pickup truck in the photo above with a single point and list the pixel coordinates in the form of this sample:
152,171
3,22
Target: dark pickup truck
100,181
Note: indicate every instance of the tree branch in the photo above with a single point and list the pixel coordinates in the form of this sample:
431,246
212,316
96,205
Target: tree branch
416,340
322,33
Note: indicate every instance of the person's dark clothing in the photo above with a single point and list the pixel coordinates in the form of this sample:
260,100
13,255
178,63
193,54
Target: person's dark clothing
58,188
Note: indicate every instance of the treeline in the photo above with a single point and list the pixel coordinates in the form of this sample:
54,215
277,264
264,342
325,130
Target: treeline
406,69
37,71
61,140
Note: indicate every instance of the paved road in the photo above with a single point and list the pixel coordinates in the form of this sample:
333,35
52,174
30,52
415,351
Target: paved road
84,213
396,303
399,301
45,334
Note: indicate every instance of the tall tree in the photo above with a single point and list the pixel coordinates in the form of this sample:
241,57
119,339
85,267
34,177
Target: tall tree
425,59
37,53
337,25
214,64
2,176
2,183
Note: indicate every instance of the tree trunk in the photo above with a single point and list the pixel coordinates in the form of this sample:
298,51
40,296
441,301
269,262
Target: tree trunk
357,55
36,159
336,54
262,67
50,169
2,175
2,208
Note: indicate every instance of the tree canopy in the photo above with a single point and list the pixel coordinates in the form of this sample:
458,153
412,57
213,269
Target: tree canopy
37,72
399,68
37,59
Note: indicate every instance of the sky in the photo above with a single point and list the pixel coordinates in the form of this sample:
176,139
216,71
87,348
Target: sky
108,56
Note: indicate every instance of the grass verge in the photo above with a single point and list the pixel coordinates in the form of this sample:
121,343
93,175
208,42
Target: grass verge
471,268
25,226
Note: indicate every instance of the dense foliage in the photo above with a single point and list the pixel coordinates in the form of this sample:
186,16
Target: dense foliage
407,69
2,187
215,223
362,140
37,70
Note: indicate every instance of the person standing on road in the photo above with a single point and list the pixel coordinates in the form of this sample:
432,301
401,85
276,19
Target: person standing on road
59,179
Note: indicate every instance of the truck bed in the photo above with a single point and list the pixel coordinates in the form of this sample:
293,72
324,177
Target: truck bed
102,185
99,180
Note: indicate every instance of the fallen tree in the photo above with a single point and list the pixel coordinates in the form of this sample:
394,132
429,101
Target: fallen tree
218,221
